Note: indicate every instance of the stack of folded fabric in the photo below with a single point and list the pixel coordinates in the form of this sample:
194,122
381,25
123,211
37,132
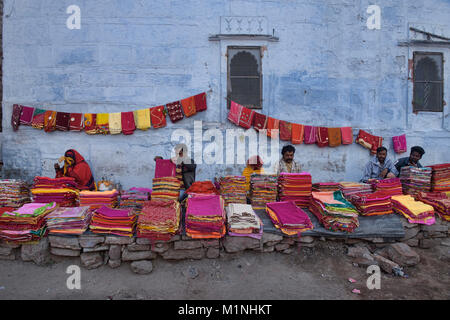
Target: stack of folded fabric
440,201
415,180
167,188
202,188
134,198
392,186
289,218
296,187
73,221
372,204
263,189
414,211
97,199
13,193
159,220
25,224
205,217
440,179
63,191
334,212
350,188
113,221
325,186
242,221
233,190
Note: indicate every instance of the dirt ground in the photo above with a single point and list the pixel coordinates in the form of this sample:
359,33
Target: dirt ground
319,273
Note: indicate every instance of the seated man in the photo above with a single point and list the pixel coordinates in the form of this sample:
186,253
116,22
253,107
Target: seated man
379,167
287,162
76,167
413,159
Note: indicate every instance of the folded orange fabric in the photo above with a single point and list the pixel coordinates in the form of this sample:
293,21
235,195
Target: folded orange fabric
298,131
334,137
188,105
272,124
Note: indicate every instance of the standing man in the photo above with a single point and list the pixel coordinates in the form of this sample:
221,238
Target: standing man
413,160
379,167
287,162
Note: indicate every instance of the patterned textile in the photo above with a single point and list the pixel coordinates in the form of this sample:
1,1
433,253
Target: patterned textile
246,118
102,125
235,112
334,137
347,135
128,124
298,131
259,121
115,123
76,122
399,143
26,116
273,126
142,119
200,102
369,141
15,117
285,130
49,121
174,111
188,105
322,137
310,134
90,123
158,117
38,119
287,217
62,121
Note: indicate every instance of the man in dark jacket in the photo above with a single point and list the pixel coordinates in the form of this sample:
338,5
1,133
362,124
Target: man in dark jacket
413,159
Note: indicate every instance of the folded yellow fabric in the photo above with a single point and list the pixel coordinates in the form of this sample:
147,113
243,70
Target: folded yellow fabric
115,123
142,119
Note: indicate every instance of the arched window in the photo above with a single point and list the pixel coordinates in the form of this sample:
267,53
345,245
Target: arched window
428,92
244,76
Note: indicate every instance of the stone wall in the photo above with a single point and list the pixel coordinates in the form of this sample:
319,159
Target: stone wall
95,250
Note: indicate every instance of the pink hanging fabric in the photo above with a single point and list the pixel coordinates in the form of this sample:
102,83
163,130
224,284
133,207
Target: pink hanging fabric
235,112
399,143
310,134
165,168
347,135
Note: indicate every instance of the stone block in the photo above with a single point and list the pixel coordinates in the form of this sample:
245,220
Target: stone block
403,255
5,251
143,241
99,248
11,256
356,252
212,252
137,255
266,237
434,228
65,252
12,245
115,252
187,244
91,260
305,239
211,243
141,267
90,241
118,240
426,243
410,233
138,247
114,263
236,244
412,242
289,241
271,243
267,249
281,246
445,243
385,264
64,242
172,254
160,247
38,253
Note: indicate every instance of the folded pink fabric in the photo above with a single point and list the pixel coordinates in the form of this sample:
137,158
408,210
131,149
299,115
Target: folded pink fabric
205,206
310,135
347,135
235,112
165,168
113,213
26,116
399,143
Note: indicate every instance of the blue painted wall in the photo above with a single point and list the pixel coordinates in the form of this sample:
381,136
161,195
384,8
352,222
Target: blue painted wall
327,69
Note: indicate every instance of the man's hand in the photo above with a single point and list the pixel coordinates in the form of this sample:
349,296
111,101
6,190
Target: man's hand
57,167
383,173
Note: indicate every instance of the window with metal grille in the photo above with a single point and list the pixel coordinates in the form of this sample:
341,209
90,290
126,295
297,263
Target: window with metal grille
428,92
244,76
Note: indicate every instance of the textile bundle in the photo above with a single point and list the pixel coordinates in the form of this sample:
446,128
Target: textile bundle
415,180
399,143
205,217
165,168
26,115
246,118
414,211
392,186
325,186
296,187
285,131
13,193
200,102
334,212
440,179
38,119
233,190
134,199
73,221
98,199
174,111
159,220
202,188
158,117
369,141
440,201
242,221
63,191
26,224
263,190
113,221
287,217
167,188
372,204
350,188
76,122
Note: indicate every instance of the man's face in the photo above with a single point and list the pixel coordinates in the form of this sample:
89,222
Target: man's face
414,157
381,156
288,156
